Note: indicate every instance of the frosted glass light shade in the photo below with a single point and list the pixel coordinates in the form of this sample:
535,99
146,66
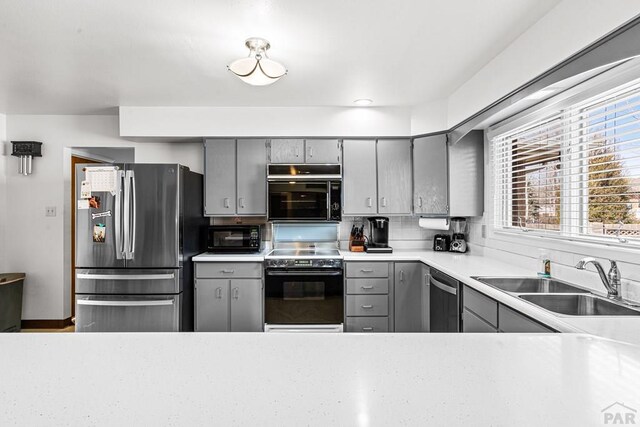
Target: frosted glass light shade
257,69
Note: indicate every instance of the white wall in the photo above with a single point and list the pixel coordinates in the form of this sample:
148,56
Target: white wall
4,152
263,121
39,244
565,30
429,117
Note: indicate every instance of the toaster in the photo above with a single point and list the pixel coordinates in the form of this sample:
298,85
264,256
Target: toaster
441,242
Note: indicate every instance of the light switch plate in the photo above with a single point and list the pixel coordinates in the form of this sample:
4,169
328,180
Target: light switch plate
484,230
50,211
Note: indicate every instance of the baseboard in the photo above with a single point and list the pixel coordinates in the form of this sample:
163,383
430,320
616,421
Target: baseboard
46,323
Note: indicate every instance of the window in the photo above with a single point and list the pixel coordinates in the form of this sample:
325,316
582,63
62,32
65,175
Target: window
575,173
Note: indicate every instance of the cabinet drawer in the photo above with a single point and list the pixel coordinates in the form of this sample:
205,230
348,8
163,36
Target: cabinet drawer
228,269
367,324
472,323
481,305
367,305
367,286
512,321
367,269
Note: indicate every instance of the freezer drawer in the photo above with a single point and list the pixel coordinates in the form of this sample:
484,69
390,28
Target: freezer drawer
130,281
128,313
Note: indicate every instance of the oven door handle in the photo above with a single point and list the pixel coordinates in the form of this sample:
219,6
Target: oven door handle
443,287
304,273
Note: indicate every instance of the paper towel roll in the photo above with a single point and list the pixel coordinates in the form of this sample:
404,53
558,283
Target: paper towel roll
434,223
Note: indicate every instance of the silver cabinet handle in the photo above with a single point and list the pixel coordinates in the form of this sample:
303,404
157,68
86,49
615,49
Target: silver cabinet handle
369,202
125,303
241,202
297,151
226,202
420,201
366,287
125,276
219,293
367,307
383,202
367,329
227,271
310,151
364,270
402,275
236,293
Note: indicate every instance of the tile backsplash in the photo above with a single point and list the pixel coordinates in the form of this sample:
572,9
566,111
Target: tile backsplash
404,232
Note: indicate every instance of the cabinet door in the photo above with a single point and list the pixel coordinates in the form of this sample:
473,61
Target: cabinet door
287,151
408,297
220,177
359,177
322,151
246,305
212,305
472,323
512,321
394,176
430,169
252,177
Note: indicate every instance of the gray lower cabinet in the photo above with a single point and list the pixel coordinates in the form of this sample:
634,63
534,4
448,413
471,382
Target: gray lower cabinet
286,151
235,177
359,178
394,177
228,297
322,151
481,313
408,297
368,297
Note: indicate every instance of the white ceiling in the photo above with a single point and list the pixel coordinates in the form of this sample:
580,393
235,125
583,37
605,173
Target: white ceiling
69,56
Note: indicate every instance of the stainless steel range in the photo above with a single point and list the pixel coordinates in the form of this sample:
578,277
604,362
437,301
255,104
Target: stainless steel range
304,288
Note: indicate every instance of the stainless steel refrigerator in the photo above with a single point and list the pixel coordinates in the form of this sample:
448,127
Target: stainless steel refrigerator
137,228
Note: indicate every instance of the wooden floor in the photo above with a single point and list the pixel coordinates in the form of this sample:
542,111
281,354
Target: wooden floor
71,328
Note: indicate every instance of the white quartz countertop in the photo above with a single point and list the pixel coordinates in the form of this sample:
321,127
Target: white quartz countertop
314,379
210,257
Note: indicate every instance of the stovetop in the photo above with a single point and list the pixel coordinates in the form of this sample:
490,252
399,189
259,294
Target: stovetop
306,253
303,258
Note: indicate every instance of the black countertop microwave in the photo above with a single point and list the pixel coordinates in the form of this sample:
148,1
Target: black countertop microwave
233,238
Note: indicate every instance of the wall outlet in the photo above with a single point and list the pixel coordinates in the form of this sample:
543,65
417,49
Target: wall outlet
483,231
50,211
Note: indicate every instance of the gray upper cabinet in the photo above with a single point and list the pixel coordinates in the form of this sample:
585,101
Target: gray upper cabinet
359,181
322,151
286,151
408,297
430,175
252,182
246,305
394,176
235,177
220,177
466,175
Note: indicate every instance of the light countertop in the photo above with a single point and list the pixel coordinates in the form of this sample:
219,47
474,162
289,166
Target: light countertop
314,379
465,266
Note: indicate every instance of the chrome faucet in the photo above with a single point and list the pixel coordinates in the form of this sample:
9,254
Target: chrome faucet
612,282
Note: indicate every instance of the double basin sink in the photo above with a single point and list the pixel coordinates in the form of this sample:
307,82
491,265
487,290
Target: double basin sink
559,297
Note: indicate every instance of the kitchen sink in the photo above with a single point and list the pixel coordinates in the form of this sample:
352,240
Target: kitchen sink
528,285
580,305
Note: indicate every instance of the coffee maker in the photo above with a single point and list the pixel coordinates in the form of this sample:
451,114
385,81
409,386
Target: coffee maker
378,235
458,242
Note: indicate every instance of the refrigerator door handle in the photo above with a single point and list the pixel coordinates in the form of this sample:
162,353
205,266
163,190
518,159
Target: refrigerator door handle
118,219
90,276
132,242
125,303
126,213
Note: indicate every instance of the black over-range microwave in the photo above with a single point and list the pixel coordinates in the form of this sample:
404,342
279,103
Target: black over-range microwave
233,238
304,192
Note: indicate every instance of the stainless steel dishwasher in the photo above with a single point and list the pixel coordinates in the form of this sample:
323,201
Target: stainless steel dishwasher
444,306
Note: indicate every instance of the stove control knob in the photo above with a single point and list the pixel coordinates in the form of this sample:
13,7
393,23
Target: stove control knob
321,263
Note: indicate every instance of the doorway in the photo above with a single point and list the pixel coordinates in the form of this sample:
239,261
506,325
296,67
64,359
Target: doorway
74,161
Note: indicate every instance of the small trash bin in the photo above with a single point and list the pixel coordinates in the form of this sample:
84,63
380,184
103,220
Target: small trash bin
11,285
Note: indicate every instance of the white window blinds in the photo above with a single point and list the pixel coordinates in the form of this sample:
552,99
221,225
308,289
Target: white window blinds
575,173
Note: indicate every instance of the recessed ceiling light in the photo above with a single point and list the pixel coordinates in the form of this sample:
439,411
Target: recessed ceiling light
363,102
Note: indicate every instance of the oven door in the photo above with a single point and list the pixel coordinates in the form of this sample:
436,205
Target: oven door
304,297
298,200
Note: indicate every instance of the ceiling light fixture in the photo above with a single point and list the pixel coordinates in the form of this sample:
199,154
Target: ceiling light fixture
257,69
363,102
